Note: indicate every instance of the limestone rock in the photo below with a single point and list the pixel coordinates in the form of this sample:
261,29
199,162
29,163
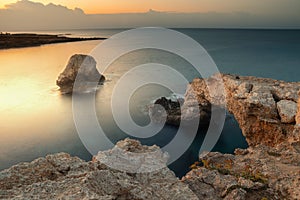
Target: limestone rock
81,68
298,111
132,157
287,110
262,173
264,108
254,103
60,176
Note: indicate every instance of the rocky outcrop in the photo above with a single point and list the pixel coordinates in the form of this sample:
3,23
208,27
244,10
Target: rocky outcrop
269,118
256,173
261,112
61,176
264,108
85,67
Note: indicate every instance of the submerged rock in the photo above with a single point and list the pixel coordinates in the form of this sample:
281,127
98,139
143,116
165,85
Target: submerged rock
61,176
85,67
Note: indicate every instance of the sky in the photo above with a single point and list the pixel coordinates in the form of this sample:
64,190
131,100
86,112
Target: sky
73,14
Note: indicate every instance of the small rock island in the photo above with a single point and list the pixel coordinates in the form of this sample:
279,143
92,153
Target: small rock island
81,68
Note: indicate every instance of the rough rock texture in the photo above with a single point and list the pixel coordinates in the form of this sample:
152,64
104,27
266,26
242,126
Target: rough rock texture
256,103
61,176
270,168
255,173
130,156
85,67
269,118
264,108
287,111
298,111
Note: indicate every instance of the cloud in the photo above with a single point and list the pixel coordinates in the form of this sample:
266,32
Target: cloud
27,15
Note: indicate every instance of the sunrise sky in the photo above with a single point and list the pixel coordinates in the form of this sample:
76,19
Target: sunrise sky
125,6
59,14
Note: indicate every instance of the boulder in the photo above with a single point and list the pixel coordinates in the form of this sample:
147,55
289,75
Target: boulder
287,111
167,110
81,68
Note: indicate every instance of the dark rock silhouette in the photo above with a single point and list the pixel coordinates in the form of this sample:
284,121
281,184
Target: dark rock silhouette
20,40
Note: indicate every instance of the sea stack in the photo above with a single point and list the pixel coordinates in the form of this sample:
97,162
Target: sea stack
81,68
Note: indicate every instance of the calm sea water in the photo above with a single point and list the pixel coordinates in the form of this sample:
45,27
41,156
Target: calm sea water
36,120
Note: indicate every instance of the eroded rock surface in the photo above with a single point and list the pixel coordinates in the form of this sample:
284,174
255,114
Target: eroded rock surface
85,67
298,111
61,176
264,108
255,173
287,111
269,118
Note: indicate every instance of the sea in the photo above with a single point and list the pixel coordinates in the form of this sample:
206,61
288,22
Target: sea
37,120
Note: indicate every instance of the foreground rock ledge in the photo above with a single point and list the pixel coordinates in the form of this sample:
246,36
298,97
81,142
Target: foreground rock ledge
61,176
81,68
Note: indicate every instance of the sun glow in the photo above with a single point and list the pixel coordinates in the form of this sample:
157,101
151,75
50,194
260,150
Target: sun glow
18,93
132,6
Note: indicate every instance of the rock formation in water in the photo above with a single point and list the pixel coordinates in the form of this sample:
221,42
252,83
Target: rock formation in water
166,109
61,176
269,118
266,111
81,68
264,108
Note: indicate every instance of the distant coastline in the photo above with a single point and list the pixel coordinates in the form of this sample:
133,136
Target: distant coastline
20,40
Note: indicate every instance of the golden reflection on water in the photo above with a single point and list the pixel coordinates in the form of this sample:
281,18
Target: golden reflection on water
18,92
35,118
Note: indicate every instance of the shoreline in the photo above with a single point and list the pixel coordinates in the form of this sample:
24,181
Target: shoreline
22,40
